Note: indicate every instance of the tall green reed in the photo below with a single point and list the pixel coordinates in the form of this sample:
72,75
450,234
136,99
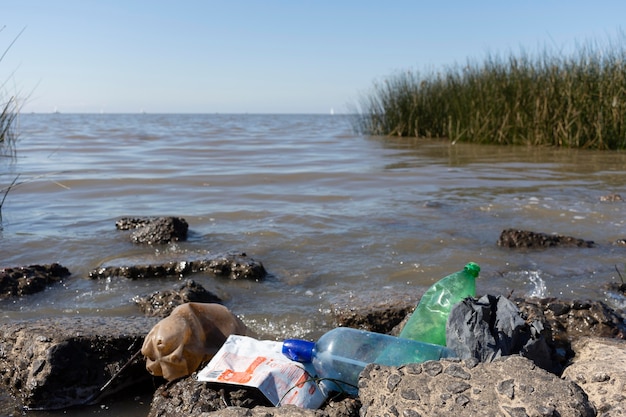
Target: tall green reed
8,115
9,110
547,99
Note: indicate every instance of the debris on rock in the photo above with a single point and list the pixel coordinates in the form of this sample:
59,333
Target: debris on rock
491,327
192,334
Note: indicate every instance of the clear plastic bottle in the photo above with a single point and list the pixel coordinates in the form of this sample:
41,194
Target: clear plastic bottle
428,321
340,355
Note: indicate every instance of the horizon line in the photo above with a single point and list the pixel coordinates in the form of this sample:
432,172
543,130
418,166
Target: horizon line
183,113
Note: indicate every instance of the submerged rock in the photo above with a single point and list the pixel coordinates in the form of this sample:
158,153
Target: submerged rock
155,230
30,279
513,238
611,198
233,266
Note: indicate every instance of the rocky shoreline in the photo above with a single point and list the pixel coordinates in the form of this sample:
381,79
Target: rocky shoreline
56,363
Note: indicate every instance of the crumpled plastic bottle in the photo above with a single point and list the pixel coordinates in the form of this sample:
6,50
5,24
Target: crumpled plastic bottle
341,354
193,333
428,321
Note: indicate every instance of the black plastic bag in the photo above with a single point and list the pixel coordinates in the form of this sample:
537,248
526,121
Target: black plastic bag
492,326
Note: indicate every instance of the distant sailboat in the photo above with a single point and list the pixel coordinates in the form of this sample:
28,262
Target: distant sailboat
332,111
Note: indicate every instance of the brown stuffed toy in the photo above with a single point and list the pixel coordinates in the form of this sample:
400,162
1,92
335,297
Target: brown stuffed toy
190,335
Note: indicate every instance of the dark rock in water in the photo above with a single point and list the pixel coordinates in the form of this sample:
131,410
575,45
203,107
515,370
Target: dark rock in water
611,198
30,279
234,266
161,303
155,230
512,238
129,223
491,327
174,269
56,363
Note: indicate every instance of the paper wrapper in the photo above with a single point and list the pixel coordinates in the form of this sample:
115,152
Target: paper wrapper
260,364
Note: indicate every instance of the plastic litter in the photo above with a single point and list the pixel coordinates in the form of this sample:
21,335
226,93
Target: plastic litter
340,355
193,333
259,364
428,321
492,326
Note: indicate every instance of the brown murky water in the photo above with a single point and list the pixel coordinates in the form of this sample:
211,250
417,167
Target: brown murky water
336,218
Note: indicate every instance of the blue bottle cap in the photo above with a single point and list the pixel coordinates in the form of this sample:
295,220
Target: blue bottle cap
298,350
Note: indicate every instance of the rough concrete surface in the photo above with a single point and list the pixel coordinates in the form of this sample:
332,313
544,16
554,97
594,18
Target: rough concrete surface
599,367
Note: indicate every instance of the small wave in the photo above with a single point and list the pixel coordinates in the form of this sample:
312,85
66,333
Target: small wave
539,285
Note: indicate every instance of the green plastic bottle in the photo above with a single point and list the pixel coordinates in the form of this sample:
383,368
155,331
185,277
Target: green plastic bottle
428,321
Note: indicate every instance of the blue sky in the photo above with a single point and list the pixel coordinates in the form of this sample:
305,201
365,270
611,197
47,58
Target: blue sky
263,56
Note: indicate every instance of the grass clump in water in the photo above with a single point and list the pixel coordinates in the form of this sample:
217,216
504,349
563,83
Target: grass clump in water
549,99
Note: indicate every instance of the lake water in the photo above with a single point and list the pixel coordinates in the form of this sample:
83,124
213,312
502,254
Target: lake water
337,219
